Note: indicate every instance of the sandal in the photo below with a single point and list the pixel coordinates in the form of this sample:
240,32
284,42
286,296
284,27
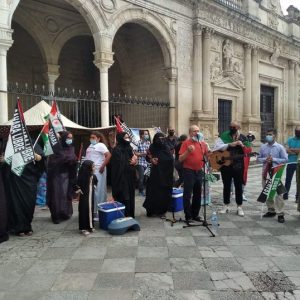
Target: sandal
21,234
29,233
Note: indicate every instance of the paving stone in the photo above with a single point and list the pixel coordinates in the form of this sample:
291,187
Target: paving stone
68,242
187,264
65,295
117,265
96,242
237,240
152,252
271,281
177,251
114,281
193,295
152,265
84,266
74,281
8,280
208,241
122,241
266,240
235,295
236,281
294,277
246,251
180,241
154,281
49,266
154,294
277,250
152,241
222,265
90,253
22,295
192,281
290,239
121,252
259,264
58,252
109,294
35,282
216,251
291,263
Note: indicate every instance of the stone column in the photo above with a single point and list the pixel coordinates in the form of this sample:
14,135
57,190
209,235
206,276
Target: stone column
171,76
206,89
197,69
248,75
104,60
52,74
255,100
5,43
296,96
291,93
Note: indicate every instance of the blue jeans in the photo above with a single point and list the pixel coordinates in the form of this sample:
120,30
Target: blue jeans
290,170
141,170
192,183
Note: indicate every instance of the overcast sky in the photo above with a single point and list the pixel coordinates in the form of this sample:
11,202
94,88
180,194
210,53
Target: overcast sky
286,3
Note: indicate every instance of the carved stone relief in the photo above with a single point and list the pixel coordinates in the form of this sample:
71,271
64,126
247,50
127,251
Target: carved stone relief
274,57
227,56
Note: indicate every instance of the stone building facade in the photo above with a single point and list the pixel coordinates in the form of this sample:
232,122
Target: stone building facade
213,60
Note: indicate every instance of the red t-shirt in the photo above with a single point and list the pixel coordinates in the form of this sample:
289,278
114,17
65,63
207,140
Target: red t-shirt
194,160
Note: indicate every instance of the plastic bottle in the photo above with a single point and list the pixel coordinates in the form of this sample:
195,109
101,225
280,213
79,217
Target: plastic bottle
214,222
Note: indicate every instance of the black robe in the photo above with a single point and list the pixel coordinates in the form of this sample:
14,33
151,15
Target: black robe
123,177
3,206
61,181
21,193
86,202
160,183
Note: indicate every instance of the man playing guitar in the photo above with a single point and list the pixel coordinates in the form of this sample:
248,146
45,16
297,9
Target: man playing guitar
237,144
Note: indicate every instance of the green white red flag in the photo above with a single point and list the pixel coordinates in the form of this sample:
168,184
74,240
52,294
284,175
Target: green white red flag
19,150
55,118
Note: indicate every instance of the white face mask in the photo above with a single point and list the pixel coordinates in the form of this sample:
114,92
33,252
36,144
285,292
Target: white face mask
127,139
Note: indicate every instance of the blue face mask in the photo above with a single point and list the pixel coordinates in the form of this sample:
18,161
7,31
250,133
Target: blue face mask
69,141
146,137
198,138
269,138
93,142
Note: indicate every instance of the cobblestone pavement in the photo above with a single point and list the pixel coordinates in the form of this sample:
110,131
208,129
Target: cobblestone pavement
251,258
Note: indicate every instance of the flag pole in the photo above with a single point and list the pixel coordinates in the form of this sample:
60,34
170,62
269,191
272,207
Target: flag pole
37,139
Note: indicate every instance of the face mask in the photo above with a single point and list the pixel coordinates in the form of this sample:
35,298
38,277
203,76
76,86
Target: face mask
69,141
93,142
171,133
233,130
127,141
146,137
297,133
269,138
198,137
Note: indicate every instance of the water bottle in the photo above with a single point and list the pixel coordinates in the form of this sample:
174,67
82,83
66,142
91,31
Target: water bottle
214,222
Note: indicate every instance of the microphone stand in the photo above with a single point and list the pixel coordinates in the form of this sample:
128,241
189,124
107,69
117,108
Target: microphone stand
204,222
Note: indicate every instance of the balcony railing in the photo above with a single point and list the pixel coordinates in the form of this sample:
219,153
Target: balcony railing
233,4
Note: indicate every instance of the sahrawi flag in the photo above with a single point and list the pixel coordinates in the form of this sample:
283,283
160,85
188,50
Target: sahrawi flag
122,127
55,118
49,138
273,185
19,150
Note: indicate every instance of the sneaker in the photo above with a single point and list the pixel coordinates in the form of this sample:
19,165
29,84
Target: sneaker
245,198
85,232
281,219
240,211
95,219
224,210
269,214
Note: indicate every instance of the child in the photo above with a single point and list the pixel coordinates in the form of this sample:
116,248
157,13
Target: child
86,184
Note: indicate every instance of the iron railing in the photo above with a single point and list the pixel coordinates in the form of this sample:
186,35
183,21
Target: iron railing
84,107
233,4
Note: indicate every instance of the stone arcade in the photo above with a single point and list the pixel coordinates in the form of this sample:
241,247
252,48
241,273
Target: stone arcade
212,60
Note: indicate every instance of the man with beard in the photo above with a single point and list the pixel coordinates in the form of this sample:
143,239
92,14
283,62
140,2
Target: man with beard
171,140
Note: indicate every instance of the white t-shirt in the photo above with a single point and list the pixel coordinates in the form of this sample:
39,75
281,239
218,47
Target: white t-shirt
96,153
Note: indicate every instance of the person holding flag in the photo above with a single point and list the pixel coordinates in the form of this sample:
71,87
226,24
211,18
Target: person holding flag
272,154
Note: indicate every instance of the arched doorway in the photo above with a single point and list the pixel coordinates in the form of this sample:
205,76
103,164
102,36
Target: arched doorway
138,73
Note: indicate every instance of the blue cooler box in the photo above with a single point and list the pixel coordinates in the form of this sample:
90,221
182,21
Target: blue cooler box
177,200
109,211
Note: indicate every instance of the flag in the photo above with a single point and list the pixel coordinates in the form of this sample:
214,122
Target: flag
55,118
49,138
273,185
122,127
19,150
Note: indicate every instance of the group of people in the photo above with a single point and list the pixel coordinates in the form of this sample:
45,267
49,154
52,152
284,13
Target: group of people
149,166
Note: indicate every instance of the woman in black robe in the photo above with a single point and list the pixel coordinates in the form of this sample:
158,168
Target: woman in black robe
122,162
3,202
86,184
21,194
61,179
160,182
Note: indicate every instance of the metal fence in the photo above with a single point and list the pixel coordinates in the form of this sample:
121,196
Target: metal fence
233,4
84,108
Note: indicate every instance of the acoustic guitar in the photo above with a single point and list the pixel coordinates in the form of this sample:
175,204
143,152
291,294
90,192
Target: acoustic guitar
219,159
